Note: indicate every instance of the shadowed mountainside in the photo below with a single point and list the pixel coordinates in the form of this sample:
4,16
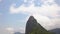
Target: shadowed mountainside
57,30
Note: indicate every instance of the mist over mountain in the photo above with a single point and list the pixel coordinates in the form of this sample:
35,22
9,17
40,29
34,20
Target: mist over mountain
33,27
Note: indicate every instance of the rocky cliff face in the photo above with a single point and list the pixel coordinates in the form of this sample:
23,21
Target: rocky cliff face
32,27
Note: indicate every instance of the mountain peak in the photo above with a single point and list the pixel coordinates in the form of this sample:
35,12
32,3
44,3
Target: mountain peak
33,27
31,19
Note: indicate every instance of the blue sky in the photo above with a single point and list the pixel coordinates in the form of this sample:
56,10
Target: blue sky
14,13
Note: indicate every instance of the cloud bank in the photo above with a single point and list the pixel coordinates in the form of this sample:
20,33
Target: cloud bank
49,8
12,30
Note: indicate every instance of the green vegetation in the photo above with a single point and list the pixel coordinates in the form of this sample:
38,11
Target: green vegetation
38,29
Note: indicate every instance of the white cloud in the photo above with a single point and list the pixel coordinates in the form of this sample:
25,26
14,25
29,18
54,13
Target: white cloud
56,21
13,30
45,9
10,29
44,21
48,23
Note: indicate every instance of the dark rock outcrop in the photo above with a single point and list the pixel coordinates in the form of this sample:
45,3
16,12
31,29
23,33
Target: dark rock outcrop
32,27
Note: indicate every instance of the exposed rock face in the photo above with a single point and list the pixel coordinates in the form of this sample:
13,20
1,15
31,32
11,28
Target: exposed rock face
32,27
